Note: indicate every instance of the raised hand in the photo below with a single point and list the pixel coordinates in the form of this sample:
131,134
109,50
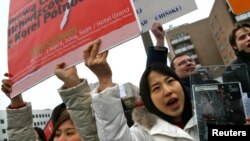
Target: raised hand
159,33
68,75
6,87
98,64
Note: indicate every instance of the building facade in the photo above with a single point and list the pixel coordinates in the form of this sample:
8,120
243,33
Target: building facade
195,40
40,119
206,41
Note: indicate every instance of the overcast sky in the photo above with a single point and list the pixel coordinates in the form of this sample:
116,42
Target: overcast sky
127,60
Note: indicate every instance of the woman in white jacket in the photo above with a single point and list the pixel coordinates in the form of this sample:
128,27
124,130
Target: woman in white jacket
166,114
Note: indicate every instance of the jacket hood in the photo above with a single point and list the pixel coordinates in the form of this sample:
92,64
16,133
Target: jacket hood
143,117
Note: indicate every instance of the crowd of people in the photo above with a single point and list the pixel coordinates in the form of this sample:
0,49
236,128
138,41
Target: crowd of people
160,109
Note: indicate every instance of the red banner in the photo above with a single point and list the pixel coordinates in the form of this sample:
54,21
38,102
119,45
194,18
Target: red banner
42,32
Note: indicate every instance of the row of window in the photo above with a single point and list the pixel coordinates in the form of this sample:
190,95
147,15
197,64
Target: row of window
39,123
41,115
179,35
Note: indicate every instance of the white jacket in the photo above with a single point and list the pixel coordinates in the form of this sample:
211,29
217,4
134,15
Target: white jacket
111,123
78,102
19,124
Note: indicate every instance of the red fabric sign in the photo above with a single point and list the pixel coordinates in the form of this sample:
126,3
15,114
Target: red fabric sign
41,31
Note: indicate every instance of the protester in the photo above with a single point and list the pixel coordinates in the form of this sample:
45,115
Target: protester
239,40
20,120
75,92
158,53
63,125
64,128
19,116
98,64
183,65
167,114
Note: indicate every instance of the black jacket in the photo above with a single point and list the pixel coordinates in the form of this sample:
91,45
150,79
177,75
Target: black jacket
239,71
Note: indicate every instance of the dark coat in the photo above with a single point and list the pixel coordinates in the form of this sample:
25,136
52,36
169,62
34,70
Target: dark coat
239,71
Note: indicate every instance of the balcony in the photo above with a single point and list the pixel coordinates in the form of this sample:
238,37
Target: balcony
243,17
184,49
194,56
180,39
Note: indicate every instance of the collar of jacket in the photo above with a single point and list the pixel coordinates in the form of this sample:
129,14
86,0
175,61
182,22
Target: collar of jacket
242,55
156,125
186,81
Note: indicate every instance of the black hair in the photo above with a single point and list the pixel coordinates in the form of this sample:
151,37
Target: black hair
127,113
232,36
56,112
59,115
40,133
145,92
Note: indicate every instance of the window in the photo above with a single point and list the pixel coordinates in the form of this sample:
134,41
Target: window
2,121
3,131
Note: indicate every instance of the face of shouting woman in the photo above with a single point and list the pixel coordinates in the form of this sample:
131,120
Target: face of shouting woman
166,94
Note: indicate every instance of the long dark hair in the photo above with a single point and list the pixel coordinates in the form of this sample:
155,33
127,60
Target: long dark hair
145,93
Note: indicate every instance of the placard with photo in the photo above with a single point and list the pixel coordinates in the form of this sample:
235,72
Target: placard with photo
218,104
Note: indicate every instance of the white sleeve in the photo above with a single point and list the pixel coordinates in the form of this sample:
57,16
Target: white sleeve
110,119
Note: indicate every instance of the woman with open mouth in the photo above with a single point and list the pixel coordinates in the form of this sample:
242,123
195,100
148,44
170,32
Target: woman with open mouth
166,113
